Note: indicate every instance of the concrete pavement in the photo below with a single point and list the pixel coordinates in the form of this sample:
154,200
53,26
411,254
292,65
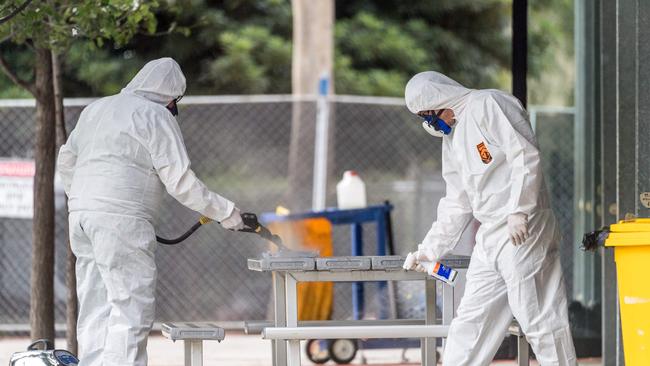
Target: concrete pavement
238,349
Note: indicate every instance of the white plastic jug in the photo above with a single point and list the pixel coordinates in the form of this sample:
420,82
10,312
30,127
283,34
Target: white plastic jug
351,191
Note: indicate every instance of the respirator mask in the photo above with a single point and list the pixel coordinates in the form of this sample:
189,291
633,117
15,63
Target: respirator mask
435,125
173,106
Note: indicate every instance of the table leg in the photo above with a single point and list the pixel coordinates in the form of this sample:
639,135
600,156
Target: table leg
429,344
193,352
279,348
383,294
293,346
448,306
459,289
523,357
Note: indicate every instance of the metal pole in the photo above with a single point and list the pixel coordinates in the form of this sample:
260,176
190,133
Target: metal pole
584,279
520,50
608,157
319,193
643,122
628,107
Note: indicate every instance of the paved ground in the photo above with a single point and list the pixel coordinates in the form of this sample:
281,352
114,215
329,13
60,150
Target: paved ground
240,350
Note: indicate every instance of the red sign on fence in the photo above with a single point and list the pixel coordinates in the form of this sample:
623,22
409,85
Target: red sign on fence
17,168
17,188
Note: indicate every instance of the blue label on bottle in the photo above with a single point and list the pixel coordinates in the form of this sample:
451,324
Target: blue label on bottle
442,271
66,358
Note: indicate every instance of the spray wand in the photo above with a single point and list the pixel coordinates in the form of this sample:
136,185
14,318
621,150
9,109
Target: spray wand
251,225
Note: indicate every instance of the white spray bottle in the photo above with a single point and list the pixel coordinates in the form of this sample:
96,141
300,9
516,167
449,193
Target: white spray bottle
435,269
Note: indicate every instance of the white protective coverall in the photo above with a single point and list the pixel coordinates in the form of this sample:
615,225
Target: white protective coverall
125,151
491,167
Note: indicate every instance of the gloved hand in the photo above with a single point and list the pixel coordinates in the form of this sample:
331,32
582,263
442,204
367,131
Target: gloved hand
410,262
420,268
518,228
234,221
413,259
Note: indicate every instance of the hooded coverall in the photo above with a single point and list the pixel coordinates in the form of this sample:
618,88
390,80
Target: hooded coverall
124,152
491,166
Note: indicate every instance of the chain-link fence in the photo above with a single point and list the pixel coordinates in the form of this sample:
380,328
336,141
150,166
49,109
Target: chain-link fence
555,135
240,147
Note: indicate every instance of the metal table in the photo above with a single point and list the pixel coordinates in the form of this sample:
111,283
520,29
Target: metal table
287,333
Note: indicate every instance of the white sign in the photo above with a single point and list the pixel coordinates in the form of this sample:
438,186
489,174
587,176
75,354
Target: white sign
17,189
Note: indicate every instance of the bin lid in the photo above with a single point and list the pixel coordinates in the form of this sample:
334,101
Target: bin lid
629,233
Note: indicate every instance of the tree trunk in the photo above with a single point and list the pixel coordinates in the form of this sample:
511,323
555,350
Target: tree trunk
42,278
313,55
70,273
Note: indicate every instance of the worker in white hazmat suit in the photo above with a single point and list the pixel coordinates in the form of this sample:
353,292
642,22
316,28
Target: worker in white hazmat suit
492,170
124,152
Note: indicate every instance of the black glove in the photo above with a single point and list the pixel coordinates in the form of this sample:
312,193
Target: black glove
594,239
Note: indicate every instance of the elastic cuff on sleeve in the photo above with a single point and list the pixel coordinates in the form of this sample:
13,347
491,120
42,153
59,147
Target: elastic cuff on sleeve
230,207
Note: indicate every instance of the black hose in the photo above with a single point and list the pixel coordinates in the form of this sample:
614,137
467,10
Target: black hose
251,225
180,238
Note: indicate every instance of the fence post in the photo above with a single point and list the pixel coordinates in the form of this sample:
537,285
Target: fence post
319,191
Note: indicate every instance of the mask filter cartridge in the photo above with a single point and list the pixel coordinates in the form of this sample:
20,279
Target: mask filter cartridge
435,126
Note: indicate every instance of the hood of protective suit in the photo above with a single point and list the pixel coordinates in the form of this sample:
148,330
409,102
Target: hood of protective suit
160,81
432,90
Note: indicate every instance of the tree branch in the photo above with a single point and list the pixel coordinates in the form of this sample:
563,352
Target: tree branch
4,66
8,17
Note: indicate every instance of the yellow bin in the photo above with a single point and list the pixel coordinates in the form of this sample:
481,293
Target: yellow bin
631,242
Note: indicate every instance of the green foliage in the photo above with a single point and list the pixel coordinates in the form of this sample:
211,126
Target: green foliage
375,57
380,45
551,54
17,56
249,63
79,24
244,46
55,24
106,74
116,20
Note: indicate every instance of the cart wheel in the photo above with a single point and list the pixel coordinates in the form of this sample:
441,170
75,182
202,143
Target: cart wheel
317,350
343,351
